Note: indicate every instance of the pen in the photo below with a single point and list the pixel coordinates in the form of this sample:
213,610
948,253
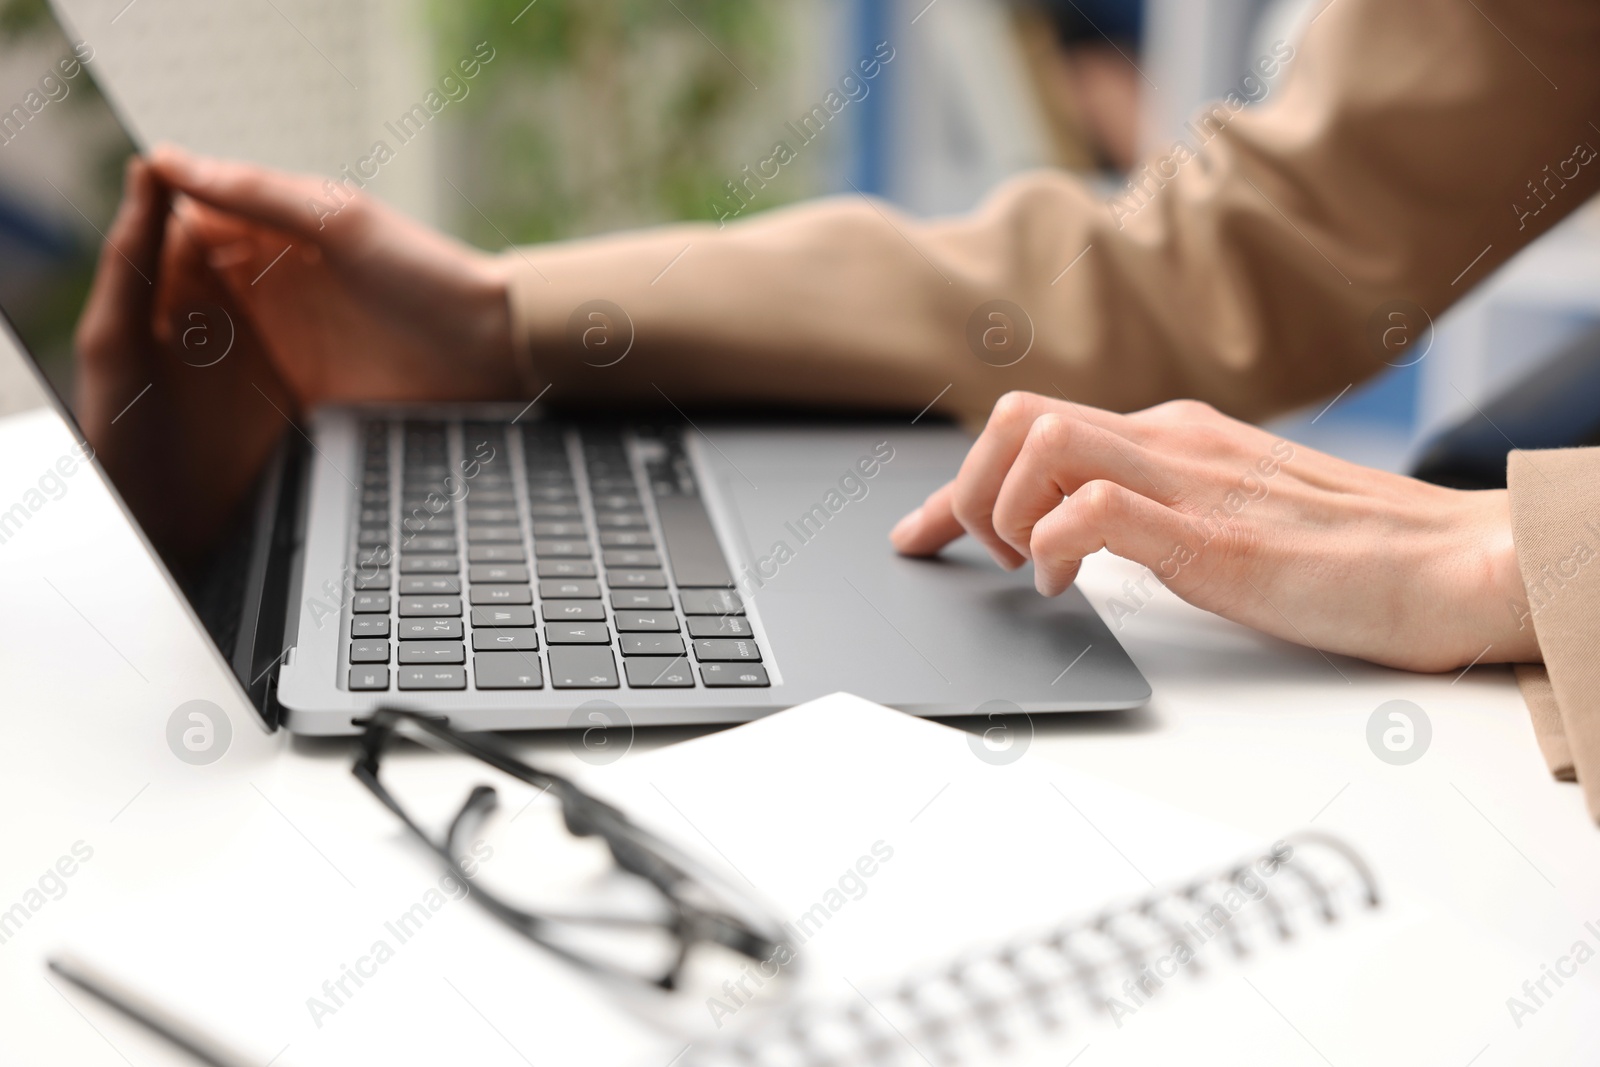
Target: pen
180,1032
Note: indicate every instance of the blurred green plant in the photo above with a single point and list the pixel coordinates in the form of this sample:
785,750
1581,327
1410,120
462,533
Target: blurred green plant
21,16
601,114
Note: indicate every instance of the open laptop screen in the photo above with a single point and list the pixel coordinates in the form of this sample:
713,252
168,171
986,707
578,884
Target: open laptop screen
160,409
62,153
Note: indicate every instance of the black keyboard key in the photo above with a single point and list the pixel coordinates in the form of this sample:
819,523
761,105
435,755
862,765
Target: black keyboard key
577,633
562,549
502,594
487,534
641,600
507,516
420,522
646,622
369,678
369,560
569,589
551,494
367,578
559,529
370,603
429,630
541,512
620,520
719,626
435,585
626,539
372,536
636,579
422,607
725,650
659,672
369,626
691,542
496,554
576,667
432,652
499,498
630,558
572,611
711,602
731,675
504,640
433,677
429,565
650,644
616,502
429,545
507,670
502,616
492,573
566,568
369,652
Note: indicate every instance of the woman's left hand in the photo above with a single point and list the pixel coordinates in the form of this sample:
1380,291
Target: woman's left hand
1234,520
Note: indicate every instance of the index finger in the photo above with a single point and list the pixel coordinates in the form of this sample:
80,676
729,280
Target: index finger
123,292
295,203
929,528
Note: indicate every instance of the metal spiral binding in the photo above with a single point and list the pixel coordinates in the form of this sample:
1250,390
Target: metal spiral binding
972,997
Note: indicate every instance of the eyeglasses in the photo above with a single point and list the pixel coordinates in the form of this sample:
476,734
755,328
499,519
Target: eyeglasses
692,906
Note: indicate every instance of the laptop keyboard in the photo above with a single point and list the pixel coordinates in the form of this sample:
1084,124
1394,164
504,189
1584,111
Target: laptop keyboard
493,556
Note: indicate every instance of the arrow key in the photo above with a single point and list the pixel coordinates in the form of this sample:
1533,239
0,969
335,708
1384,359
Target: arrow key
659,672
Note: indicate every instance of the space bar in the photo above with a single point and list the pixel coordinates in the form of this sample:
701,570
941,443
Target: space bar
691,543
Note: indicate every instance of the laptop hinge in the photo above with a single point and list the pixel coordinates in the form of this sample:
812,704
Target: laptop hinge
275,534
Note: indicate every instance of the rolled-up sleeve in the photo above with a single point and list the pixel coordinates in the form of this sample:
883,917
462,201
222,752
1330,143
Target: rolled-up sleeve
1555,523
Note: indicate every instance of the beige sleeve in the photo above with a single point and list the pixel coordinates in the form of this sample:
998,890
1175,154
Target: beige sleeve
1391,155
1555,522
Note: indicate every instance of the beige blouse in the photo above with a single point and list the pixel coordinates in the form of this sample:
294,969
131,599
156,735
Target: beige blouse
1408,150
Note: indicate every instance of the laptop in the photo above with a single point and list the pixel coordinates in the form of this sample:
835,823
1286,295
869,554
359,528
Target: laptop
511,569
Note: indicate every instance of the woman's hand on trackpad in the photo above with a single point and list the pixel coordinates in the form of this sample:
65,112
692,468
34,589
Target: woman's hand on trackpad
1240,522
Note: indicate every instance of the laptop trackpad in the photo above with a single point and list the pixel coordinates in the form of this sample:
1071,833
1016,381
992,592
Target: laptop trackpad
809,512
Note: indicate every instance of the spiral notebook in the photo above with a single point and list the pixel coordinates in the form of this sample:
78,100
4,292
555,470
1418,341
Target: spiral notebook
1022,996
1012,911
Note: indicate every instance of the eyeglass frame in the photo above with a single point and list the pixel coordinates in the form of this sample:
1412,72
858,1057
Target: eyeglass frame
633,849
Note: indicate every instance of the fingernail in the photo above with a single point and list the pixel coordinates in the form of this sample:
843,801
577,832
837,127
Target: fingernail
903,528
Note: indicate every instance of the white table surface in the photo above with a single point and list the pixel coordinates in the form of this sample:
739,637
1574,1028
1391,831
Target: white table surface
1249,731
